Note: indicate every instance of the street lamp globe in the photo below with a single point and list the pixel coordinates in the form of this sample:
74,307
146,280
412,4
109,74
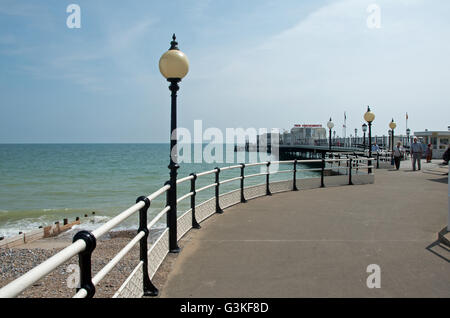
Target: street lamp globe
364,127
330,124
392,124
369,116
174,64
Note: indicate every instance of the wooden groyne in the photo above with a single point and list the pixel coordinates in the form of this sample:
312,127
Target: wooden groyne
40,233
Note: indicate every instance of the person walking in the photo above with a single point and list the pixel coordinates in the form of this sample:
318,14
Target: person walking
446,156
375,148
398,154
429,153
416,153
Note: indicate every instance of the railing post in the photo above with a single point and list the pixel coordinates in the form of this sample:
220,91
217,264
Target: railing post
378,161
346,163
172,221
322,172
195,224
267,179
148,287
350,172
357,164
242,183
218,209
294,181
85,262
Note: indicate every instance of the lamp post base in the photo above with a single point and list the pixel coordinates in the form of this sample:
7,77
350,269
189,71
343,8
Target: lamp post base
175,250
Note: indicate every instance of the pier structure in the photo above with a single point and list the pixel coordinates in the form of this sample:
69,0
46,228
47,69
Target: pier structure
306,149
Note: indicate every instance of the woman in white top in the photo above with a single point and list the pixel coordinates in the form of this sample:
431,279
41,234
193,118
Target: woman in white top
398,154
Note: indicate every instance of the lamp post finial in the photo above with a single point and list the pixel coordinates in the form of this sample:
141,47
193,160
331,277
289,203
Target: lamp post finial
174,43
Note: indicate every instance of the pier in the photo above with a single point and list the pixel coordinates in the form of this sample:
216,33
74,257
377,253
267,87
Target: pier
310,149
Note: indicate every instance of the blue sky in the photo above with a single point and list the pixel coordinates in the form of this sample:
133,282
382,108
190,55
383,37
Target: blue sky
254,63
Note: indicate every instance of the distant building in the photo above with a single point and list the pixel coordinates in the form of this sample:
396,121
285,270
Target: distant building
307,134
266,138
286,138
439,140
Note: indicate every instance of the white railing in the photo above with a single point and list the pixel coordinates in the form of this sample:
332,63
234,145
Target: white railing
185,222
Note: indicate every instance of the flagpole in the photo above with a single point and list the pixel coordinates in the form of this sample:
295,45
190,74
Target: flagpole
407,123
406,120
345,129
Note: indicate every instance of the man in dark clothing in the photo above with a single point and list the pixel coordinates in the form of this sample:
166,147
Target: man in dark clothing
416,153
446,156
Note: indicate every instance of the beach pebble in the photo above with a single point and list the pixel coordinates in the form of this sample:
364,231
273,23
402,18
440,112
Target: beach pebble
15,262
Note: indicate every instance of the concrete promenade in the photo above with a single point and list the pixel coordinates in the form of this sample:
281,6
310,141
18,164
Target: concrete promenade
319,242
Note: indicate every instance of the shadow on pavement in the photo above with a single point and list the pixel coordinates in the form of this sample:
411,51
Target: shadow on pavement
440,180
439,250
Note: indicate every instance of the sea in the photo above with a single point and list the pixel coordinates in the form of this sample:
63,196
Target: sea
41,184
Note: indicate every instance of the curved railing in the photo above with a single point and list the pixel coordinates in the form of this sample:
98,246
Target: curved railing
139,281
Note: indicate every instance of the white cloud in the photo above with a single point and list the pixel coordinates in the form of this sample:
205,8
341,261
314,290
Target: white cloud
126,38
331,62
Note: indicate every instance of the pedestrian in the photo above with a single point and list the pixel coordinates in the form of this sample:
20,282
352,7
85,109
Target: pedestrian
429,153
375,148
416,153
398,154
446,156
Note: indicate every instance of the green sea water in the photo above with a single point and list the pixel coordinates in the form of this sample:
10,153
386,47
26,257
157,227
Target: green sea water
44,183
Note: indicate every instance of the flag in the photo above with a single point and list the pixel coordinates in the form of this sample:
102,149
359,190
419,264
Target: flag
406,116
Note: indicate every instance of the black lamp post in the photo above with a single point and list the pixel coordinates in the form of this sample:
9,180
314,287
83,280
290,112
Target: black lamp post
364,129
330,126
389,139
173,65
392,125
408,132
369,117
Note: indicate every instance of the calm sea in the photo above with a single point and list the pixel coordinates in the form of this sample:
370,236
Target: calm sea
44,183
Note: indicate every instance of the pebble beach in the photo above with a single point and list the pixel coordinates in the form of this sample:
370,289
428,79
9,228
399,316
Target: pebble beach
15,262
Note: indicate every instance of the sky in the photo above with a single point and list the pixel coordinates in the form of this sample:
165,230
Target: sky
253,63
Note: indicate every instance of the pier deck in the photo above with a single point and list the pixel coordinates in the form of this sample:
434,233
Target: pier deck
319,242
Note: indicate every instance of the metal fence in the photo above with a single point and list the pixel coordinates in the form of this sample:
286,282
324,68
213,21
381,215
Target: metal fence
139,281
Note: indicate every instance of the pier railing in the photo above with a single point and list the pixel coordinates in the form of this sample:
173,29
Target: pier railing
139,281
